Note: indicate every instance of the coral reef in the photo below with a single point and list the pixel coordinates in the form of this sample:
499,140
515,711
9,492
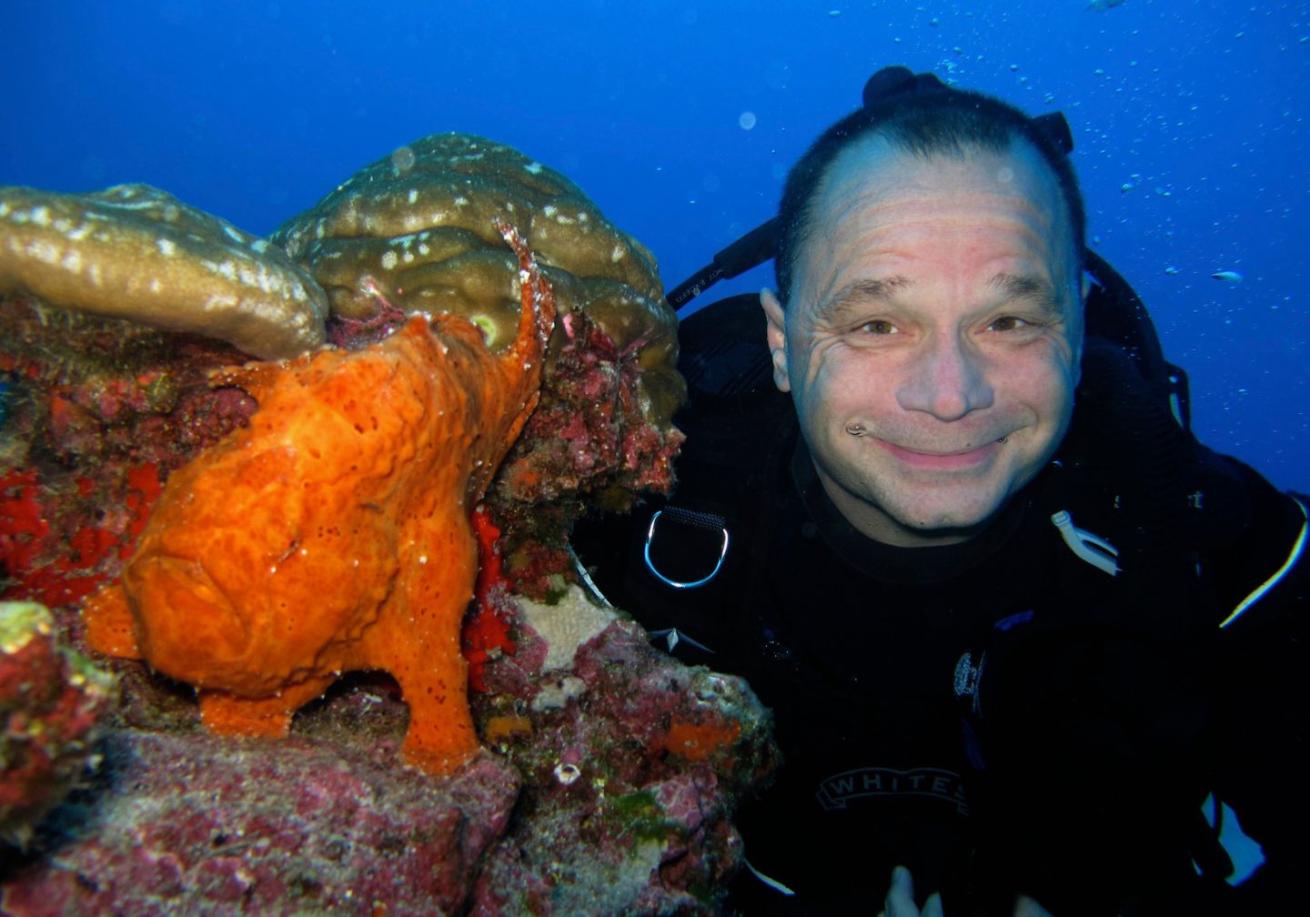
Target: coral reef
608,789
414,230
51,703
331,534
209,826
632,765
133,251
276,526
97,413
416,227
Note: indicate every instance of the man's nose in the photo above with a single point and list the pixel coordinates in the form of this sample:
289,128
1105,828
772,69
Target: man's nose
947,379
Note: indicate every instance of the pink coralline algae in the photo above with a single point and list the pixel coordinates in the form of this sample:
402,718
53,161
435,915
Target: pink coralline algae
199,824
621,815
96,414
608,783
51,703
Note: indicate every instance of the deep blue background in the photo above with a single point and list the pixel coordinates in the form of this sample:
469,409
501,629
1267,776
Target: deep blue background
254,110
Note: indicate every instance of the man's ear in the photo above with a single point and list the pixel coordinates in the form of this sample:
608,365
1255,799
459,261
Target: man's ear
776,335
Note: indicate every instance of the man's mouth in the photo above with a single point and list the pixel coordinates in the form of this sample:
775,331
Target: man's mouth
945,460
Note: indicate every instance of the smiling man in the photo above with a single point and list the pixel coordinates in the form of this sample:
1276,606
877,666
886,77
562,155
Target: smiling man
1014,623
934,343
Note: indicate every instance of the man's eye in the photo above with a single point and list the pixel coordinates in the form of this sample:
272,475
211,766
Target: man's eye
1008,323
878,326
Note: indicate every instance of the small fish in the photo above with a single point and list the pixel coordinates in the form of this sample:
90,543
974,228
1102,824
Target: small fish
1228,276
1100,6
1172,271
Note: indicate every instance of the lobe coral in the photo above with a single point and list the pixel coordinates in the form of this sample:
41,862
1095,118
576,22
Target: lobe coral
415,228
136,252
333,532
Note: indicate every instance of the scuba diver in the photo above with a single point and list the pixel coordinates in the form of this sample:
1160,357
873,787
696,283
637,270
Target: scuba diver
1025,640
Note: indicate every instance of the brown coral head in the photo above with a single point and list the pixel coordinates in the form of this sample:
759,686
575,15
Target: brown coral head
135,252
417,231
420,224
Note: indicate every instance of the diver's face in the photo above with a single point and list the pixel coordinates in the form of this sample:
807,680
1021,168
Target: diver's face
933,337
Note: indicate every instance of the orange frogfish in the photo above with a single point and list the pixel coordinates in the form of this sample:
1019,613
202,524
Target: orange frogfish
332,533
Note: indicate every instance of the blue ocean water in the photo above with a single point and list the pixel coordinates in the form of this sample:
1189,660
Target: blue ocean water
681,118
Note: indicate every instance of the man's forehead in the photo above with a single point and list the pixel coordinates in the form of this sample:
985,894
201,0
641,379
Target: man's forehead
877,168
876,183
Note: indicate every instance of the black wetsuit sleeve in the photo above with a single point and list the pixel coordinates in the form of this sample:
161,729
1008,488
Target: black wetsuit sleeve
1263,710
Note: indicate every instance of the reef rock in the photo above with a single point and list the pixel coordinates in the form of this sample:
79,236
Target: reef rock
95,414
632,764
189,823
52,701
621,767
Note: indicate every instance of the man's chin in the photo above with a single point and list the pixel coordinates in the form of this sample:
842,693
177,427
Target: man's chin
915,508
947,529
950,516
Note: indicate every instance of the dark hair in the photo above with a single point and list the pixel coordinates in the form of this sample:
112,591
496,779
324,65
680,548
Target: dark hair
948,121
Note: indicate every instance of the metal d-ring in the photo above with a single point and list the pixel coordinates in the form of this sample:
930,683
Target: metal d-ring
703,520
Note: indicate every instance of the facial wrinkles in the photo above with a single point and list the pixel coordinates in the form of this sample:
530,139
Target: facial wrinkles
875,182
883,237
818,327
981,419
